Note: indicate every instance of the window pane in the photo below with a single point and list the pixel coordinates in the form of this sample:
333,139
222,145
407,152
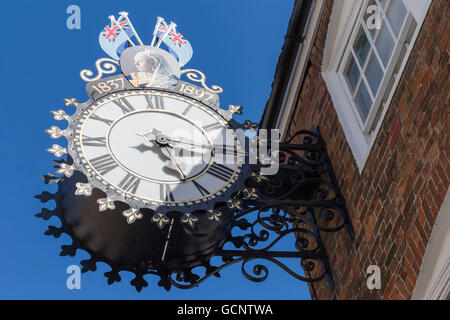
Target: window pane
361,46
371,18
363,102
352,74
374,74
383,3
396,14
385,44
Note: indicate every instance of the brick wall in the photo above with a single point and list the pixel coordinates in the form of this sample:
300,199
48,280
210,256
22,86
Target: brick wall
394,202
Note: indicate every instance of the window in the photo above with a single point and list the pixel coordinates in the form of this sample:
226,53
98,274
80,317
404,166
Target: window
365,59
373,52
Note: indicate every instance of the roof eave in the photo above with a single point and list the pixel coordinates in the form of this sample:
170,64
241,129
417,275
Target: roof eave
286,62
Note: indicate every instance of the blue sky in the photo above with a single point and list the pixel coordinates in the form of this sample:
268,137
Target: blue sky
236,44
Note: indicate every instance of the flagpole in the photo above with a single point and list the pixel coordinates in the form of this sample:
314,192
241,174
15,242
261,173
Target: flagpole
113,21
154,72
125,14
155,30
172,25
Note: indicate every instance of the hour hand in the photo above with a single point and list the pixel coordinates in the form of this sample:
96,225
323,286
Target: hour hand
151,135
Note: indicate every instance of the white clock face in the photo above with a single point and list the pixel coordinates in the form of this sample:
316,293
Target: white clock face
157,147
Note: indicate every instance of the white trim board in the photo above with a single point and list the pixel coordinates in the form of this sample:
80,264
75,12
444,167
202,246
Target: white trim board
433,282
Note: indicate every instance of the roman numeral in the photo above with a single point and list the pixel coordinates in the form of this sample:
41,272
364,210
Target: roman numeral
157,103
166,193
123,104
220,171
130,183
104,164
94,142
96,117
188,108
201,189
213,126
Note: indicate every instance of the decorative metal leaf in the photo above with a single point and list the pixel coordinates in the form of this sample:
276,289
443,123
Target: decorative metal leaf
105,204
54,231
132,215
45,196
160,219
139,282
187,276
83,189
214,215
165,281
250,125
234,204
55,132
60,115
45,214
70,102
57,150
113,276
68,250
50,178
189,219
250,193
88,265
235,109
66,170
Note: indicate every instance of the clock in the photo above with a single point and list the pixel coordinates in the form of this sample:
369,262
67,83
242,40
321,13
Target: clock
152,175
157,148
154,171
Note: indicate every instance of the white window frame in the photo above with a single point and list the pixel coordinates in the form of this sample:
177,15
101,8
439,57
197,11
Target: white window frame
388,71
361,136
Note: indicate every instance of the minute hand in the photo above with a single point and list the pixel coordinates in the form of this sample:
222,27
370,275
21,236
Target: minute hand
175,165
182,141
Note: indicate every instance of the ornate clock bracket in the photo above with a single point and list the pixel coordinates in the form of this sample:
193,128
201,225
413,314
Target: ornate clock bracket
302,201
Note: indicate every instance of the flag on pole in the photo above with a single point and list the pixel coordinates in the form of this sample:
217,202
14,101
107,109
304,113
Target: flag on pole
175,42
113,39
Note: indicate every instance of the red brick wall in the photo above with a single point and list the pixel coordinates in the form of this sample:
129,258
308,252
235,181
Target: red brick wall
394,202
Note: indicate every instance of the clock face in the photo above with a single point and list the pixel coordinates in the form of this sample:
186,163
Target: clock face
157,147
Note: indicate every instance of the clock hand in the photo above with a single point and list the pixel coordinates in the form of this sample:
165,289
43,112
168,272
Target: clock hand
151,135
155,136
163,141
146,136
182,141
144,147
192,149
173,163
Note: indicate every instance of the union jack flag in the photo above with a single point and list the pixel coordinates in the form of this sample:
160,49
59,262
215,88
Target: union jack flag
111,32
111,38
176,44
176,38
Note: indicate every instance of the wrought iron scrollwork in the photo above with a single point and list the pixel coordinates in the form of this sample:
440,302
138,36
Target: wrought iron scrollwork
300,202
